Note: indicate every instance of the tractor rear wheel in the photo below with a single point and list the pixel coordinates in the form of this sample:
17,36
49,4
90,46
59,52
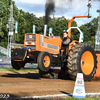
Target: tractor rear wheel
17,64
82,59
44,61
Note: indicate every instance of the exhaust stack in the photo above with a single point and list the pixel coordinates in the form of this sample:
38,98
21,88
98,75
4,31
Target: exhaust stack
45,29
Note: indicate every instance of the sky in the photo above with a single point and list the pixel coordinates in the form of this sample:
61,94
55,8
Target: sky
67,8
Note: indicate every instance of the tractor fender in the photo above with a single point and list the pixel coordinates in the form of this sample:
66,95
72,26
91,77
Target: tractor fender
73,43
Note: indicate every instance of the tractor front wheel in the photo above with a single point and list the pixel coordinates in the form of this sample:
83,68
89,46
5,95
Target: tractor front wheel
17,64
44,61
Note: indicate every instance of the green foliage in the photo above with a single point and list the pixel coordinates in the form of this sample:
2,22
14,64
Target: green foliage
89,30
58,25
26,21
72,98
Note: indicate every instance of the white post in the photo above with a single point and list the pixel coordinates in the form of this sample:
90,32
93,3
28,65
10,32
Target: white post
33,28
45,30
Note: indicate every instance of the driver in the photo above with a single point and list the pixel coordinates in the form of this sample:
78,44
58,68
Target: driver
65,42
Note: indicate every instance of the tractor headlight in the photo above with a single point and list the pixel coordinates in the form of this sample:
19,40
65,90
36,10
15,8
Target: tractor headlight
26,43
33,43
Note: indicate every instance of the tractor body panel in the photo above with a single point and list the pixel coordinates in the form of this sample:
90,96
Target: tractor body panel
39,43
34,44
42,43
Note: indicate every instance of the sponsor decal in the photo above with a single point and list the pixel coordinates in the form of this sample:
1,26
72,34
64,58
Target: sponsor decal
79,91
30,36
47,38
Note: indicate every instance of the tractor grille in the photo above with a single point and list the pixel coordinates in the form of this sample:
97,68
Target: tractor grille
32,47
41,40
30,37
52,46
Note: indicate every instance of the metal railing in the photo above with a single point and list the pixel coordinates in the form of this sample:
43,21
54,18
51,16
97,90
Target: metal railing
7,52
3,50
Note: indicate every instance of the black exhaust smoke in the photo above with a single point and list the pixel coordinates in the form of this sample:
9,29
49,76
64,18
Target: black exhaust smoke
49,9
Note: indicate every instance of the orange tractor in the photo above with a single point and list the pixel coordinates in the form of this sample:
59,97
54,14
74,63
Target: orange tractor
46,52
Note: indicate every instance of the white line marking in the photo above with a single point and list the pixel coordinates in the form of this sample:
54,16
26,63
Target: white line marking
92,93
57,95
46,96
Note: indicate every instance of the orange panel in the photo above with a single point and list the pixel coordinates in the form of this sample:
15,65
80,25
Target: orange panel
98,66
55,40
72,44
38,42
52,41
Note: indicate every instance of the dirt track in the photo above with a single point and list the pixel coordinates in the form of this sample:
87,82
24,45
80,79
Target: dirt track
31,84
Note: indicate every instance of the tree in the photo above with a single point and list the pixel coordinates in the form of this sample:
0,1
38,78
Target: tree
89,30
26,21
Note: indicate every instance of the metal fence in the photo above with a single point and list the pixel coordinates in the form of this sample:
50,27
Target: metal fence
3,50
6,52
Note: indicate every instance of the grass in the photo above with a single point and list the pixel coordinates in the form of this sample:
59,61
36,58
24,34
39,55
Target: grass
11,69
72,98
82,99
4,63
10,63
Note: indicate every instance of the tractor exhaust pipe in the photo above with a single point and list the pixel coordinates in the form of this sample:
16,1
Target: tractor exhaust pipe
45,29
